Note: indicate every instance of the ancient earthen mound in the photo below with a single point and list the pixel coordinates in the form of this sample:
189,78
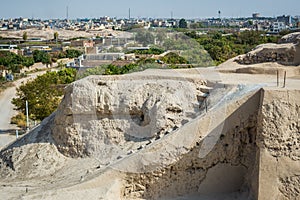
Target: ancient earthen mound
268,58
290,38
285,54
156,137
118,113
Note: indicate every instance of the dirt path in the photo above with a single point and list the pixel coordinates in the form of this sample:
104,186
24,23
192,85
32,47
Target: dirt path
6,107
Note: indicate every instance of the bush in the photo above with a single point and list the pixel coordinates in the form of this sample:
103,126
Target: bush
153,50
73,53
173,58
116,70
41,56
19,120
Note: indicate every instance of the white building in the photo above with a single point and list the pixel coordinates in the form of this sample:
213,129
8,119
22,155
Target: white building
276,27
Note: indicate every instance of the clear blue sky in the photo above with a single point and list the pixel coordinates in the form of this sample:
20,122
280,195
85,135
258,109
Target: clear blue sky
146,8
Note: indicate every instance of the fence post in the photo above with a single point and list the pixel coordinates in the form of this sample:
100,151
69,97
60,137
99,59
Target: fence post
27,116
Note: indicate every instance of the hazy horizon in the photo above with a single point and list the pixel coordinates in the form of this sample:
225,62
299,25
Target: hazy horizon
140,8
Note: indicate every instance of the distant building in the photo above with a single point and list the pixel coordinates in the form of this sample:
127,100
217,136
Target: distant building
287,20
277,27
41,48
93,60
255,15
9,47
82,43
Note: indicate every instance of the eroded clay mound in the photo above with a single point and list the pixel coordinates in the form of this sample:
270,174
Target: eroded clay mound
34,155
108,116
285,54
290,38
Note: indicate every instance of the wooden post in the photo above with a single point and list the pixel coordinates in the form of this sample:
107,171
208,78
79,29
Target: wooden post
284,81
277,78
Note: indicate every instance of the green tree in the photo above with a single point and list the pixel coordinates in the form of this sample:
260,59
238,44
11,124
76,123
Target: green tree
14,62
73,53
173,58
25,36
55,36
182,23
196,25
43,93
115,70
41,56
152,50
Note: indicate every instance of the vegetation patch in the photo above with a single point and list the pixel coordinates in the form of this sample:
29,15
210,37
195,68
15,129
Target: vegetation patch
43,94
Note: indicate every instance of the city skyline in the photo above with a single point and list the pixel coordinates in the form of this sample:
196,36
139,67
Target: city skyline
145,9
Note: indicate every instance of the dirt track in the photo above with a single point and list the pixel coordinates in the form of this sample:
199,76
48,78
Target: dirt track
7,110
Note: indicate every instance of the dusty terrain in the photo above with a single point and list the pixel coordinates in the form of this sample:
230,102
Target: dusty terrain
165,134
47,34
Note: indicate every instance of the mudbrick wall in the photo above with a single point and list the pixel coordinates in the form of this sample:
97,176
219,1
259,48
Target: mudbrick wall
262,149
98,114
236,151
279,143
236,148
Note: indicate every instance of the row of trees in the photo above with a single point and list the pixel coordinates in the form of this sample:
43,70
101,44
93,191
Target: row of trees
171,60
208,49
223,47
14,62
152,50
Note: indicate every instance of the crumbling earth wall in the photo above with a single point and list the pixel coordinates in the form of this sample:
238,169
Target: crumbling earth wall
285,54
260,146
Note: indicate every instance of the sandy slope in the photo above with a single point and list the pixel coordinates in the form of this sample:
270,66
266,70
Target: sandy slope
47,34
